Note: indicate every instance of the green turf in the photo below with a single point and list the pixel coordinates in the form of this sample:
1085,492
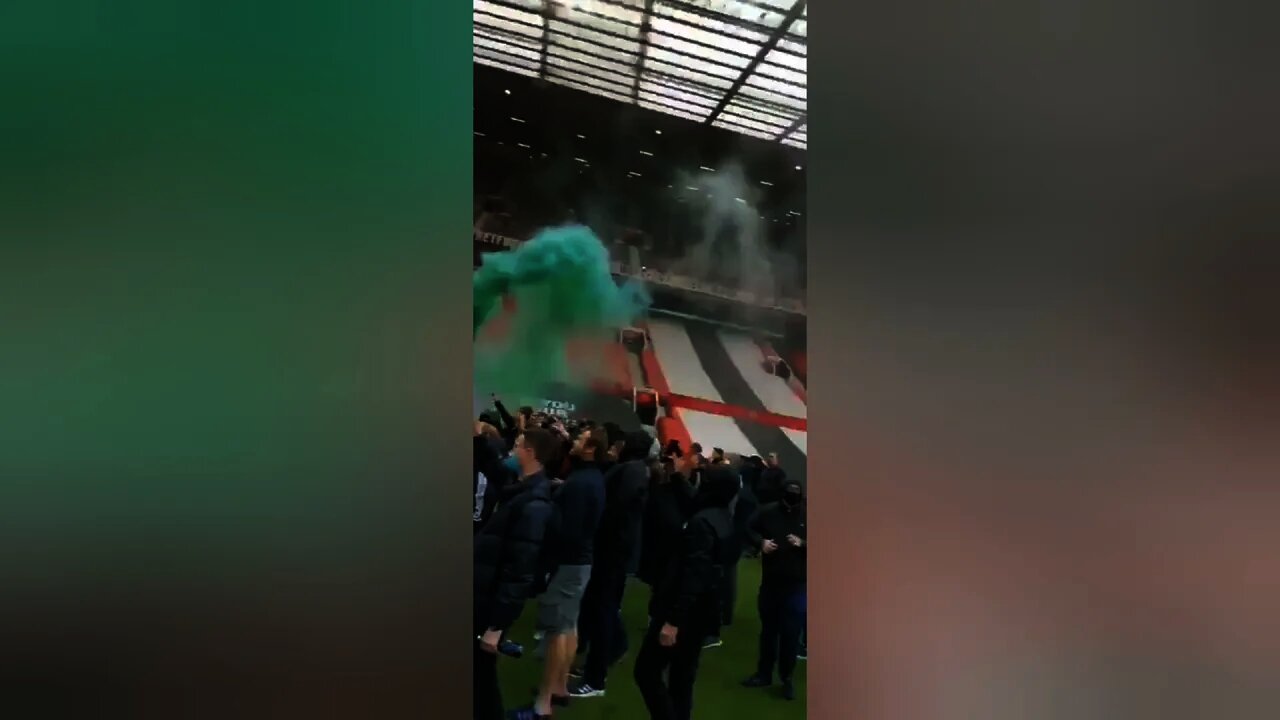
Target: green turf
718,692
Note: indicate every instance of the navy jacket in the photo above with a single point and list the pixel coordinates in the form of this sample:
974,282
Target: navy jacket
508,554
618,536
579,506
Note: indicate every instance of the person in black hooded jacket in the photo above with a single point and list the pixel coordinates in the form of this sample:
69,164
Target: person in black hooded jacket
752,469
616,550
488,478
669,506
771,479
779,532
506,563
509,427
744,510
686,605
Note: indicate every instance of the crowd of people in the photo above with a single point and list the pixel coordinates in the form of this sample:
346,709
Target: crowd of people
567,512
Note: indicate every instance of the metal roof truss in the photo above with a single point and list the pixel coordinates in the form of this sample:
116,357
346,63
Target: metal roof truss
734,64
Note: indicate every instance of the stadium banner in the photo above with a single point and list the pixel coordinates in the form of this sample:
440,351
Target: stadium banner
563,409
495,242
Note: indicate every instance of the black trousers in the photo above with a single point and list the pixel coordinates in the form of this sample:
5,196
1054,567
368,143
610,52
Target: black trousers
782,619
729,594
672,700
600,625
486,698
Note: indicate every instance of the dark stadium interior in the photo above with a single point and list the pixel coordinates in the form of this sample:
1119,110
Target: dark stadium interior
531,141
546,154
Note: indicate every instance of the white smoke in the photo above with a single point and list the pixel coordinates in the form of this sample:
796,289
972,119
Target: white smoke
727,203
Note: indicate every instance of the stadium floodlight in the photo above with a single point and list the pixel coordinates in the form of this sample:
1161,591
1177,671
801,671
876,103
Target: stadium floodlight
740,65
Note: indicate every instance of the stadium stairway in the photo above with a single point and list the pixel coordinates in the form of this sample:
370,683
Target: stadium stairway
684,375
731,386
698,366
774,393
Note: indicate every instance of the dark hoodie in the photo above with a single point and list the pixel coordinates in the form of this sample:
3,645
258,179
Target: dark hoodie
769,486
752,469
488,478
787,565
670,504
688,596
626,486
507,427
743,512
579,504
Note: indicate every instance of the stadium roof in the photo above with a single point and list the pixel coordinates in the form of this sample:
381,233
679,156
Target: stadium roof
734,64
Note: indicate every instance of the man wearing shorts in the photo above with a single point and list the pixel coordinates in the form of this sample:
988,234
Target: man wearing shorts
579,503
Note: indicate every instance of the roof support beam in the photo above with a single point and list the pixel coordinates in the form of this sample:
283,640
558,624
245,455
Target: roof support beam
645,26
604,32
794,126
546,38
792,15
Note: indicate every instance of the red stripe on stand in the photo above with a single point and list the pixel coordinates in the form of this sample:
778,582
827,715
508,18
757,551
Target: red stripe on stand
674,428
736,411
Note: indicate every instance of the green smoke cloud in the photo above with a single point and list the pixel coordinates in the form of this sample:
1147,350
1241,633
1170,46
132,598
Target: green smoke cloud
563,289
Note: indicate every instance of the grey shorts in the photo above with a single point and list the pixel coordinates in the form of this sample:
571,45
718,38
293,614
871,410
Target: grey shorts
558,606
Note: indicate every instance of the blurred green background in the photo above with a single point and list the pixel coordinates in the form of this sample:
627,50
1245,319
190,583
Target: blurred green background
233,274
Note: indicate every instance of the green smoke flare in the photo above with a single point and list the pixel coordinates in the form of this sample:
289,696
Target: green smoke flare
563,289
